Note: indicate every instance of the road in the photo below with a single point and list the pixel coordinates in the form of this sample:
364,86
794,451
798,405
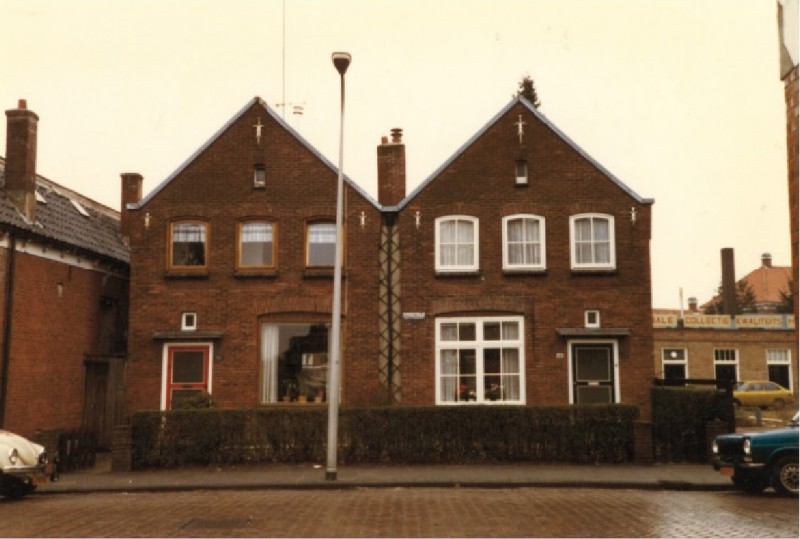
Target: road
402,512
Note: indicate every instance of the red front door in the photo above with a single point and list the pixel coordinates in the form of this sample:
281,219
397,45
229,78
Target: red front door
187,373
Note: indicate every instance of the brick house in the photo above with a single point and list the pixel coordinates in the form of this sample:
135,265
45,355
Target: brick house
63,298
524,275
232,274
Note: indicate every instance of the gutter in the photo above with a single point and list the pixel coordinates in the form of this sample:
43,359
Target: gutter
7,323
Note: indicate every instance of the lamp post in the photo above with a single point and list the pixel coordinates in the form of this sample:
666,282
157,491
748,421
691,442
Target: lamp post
341,60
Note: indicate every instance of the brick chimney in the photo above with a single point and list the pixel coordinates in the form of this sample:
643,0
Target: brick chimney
766,260
728,282
20,184
693,304
392,169
131,194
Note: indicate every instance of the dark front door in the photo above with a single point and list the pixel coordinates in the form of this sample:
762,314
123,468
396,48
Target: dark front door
593,373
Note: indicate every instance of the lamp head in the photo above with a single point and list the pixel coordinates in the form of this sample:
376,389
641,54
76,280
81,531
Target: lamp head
341,60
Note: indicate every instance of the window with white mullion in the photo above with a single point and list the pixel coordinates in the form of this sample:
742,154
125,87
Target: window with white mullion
592,241
523,242
480,360
456,243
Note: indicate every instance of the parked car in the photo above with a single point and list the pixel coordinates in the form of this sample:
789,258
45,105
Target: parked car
756,460
23,465
762,393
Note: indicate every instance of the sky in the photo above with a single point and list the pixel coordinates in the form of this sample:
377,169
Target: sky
679,99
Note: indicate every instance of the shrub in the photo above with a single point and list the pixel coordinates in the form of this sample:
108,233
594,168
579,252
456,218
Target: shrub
590,434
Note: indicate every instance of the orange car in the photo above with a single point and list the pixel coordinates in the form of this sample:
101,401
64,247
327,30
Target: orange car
763,394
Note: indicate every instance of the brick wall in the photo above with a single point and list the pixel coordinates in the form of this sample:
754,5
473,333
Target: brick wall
54,328
217,187
481,183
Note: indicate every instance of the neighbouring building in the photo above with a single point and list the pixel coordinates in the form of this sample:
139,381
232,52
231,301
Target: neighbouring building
518,273
63,299
758,344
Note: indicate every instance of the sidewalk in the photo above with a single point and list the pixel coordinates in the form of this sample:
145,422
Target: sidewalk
312,476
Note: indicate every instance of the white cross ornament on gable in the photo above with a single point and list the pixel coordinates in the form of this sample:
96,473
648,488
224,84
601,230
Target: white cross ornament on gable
520,128
258,127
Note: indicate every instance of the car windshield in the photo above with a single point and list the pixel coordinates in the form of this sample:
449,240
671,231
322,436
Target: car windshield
794,420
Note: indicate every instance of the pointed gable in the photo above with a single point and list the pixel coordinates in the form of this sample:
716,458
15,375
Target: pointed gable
504,114
269,115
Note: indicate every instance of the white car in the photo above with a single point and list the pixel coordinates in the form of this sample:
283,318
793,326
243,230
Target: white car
23,465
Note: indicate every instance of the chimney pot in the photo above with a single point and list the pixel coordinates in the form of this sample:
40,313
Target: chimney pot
384,140
766,260
22,104
693,304
397,135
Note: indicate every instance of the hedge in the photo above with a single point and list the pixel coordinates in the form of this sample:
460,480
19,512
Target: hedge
397,434
680,418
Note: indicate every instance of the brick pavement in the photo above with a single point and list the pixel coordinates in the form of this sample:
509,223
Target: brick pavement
402,512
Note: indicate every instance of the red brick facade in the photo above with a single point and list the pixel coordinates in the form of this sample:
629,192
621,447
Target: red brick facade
217,187
480,182
392,293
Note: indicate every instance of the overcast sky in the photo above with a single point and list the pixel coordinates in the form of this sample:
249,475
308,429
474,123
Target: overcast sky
680,99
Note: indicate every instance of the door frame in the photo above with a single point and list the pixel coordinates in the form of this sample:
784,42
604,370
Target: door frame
614,343
165,363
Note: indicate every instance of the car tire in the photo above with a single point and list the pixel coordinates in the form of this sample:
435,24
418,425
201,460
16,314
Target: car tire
784,476
778,404
15,489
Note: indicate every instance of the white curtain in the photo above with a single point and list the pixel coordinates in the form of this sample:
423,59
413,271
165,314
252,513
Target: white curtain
449,375
602,241
523,242
511,374
270,343
456,243
257,233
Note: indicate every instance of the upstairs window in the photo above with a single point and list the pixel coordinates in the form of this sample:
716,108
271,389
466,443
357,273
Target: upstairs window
321,244
256,245
457,244
188,245
592,241
523,242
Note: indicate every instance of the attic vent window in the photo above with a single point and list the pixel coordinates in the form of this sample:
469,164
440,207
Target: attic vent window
80,208
522,172
40,198
259,176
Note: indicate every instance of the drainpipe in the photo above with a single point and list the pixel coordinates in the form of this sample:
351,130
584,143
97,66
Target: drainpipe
9,308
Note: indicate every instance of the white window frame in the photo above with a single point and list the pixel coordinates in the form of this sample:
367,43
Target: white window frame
479,344
542,264
442,268
724,361
784,361
593,265
591,318
671,361
188,321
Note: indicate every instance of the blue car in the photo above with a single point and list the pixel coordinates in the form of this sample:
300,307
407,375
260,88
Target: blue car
757,460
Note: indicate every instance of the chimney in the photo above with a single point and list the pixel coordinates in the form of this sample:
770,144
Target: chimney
693,304
20,184
131,194
392,169
766,260
728,282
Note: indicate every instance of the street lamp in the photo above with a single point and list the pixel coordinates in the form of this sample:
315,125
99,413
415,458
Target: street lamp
341,60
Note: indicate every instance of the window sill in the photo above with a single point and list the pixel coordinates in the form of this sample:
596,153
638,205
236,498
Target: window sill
594,271
255,273
529,271
320,273
459,274
186,274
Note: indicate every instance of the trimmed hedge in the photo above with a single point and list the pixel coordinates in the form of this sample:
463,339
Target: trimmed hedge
680,415
581,434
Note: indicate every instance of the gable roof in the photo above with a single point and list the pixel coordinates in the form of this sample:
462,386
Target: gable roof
68,220
546,122
234,119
